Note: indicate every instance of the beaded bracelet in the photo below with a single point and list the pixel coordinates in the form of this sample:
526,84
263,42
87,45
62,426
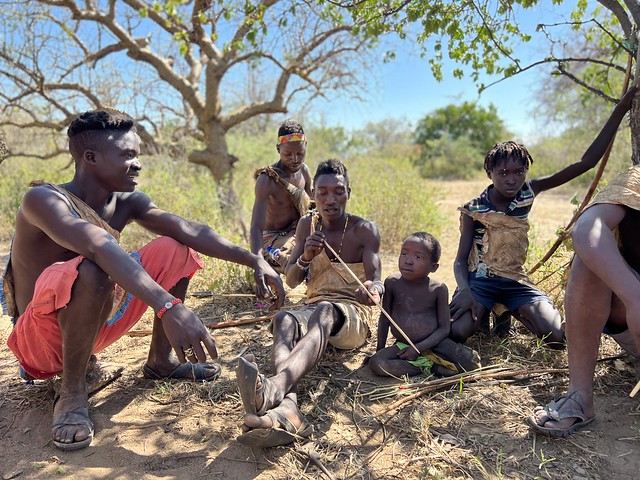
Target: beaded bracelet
302,265
379,286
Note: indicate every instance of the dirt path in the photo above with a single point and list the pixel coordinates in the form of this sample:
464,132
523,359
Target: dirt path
153,430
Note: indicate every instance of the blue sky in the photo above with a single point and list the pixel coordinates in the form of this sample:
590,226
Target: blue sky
405,88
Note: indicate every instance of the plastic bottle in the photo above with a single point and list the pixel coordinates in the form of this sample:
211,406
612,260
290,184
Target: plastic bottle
274,253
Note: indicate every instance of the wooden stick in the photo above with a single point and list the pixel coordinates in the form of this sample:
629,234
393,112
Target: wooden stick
496,373
355,277
244,321
635,390
215,326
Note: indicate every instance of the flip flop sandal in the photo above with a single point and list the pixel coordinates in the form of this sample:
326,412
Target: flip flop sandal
247,376
185,371
557,411
276,436
77,417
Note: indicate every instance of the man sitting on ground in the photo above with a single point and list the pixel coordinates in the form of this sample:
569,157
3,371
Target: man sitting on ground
338,311
72,290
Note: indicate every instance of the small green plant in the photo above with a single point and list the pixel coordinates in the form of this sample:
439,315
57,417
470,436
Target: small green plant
540,347
544,461
164,389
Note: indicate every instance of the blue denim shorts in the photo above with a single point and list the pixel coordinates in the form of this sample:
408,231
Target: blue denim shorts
490,290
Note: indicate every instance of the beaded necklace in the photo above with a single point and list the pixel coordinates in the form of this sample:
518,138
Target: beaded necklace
346,222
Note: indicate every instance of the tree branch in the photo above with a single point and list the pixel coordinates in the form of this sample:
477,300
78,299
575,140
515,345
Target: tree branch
583,84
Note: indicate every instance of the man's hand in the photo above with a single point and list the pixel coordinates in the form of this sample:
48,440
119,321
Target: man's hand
363,298
313,245
461,303
186,333
269,284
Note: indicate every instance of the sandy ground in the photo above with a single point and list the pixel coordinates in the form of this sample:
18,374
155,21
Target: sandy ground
152,430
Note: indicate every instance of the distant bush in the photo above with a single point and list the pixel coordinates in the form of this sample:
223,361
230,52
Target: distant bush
448,159
390,193
552,154
16,173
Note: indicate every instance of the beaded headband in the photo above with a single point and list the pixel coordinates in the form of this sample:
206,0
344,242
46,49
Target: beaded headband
292,137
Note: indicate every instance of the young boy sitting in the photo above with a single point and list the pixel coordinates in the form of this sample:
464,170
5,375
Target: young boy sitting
419,305
494,238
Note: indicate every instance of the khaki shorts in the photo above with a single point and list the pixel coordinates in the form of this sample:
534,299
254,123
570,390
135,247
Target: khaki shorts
354,331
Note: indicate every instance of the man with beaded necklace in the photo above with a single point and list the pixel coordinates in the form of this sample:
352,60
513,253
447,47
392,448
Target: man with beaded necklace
338,309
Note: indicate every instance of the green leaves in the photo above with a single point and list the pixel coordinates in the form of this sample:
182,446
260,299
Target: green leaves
474,33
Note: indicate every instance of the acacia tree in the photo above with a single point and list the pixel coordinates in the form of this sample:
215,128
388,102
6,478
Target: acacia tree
180,63
480,35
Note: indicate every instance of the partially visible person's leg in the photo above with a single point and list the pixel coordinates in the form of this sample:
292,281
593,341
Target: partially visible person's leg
286,332
325,321
80,322
502,326
465,326
588,307
464,358
171,265
543,320
386,363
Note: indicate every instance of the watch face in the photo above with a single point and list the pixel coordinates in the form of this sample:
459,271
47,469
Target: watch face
168,305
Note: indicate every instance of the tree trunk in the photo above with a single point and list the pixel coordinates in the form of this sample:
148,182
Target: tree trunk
635,130
216,157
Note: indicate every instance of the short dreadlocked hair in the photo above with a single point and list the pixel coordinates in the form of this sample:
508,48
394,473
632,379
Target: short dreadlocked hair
503,151
83,131
432,242
290,126
332,167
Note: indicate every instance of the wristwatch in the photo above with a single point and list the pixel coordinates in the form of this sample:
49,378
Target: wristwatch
167,306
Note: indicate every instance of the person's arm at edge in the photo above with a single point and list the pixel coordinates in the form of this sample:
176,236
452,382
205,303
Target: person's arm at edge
207,241
594,153
259,213
371,262
595,243
308,181
295,275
